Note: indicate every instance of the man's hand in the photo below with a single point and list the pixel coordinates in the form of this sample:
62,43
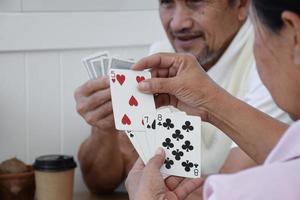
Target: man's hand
93,103
104,150
146,182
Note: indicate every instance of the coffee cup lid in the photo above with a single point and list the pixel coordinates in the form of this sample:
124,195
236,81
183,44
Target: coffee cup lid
54,163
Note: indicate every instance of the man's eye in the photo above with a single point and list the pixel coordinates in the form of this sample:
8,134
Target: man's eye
166,2
195,1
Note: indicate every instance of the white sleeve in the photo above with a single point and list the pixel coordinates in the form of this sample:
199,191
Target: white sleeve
259,97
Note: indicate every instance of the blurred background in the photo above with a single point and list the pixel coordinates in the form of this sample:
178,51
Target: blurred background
41,45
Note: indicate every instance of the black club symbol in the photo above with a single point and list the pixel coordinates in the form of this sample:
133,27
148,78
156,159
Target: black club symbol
187,126
177,135
178,154
187,165
168,124
168,144
168,163
187,146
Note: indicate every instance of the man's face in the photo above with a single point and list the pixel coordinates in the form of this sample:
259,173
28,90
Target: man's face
203,28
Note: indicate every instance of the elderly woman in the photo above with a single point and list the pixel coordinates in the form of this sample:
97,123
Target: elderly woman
268,141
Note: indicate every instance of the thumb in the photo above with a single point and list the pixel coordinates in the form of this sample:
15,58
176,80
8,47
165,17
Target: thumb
139,165
156,161
157,85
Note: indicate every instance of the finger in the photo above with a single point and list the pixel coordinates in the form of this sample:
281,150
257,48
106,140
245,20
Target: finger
132,178
92,86
107,122
156,161
92,102
92,117
162,100
161,73
187,187
160,60
158,85
173,182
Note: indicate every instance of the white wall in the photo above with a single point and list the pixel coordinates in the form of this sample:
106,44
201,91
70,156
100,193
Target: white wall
41,44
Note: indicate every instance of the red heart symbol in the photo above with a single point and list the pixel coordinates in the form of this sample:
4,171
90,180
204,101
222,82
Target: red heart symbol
126,120
120,78
113,80
142,122
140,78
133,101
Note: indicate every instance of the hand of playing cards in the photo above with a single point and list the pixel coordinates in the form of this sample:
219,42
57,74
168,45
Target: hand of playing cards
99,64
147,128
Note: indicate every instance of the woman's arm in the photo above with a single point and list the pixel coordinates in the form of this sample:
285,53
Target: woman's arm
189,88
255,132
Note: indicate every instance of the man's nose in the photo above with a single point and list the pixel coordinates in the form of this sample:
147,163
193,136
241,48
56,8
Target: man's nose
181,20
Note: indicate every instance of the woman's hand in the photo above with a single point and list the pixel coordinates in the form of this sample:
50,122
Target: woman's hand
146,182
180,81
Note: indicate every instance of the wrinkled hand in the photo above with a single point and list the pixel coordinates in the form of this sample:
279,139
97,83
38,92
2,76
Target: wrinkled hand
180,81
146,182
93,103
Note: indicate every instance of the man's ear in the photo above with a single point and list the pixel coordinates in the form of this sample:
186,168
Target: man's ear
292,21
243,7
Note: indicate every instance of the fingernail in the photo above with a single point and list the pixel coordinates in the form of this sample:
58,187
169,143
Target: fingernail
159,151
144,86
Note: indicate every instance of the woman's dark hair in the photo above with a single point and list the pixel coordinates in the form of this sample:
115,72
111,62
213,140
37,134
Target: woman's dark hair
269,11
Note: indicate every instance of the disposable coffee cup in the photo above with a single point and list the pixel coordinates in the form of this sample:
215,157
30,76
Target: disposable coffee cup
54,176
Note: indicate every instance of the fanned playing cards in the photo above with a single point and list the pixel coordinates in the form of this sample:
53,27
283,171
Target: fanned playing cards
149,128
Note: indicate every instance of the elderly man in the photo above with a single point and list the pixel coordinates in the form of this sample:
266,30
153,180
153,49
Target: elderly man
219,34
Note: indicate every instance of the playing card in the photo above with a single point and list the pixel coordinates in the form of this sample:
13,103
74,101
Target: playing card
150,129
98,67
134,138
106,65
142,141
93,64
129,104
89,70
119,63
180,137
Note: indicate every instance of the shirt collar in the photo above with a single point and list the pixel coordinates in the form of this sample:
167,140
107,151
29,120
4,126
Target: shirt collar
226,62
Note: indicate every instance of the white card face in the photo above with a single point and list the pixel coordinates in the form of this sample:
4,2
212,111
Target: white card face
180,137
129,104
135,141
143,143
150,129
